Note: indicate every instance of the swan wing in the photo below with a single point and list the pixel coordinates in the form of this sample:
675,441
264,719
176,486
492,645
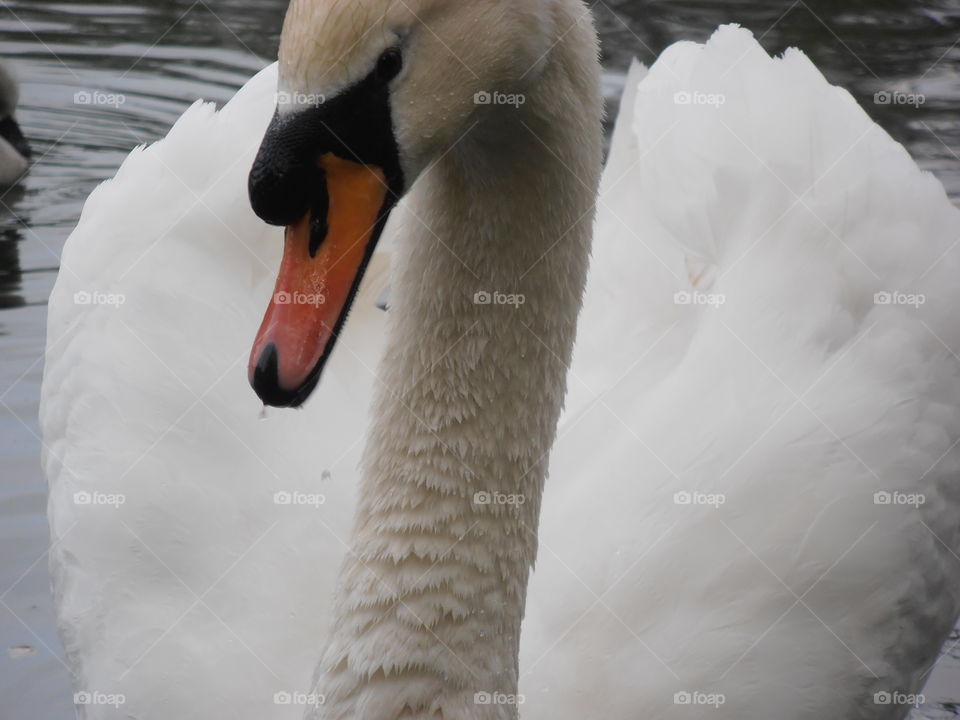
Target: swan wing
177,512
758,519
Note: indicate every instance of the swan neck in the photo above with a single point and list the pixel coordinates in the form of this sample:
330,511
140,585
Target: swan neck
490,266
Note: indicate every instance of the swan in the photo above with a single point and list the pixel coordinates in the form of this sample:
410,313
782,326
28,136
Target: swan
14,149
750,511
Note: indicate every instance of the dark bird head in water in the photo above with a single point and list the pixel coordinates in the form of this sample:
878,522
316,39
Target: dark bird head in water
9,129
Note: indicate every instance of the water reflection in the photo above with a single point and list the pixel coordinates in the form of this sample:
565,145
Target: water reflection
10,237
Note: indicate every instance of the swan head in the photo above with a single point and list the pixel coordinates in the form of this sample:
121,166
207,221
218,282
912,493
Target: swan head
371,92
14,149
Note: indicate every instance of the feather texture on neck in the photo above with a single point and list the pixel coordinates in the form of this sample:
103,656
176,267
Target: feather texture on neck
491,262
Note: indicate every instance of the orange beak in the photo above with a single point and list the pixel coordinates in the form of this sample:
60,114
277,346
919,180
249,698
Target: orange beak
324,259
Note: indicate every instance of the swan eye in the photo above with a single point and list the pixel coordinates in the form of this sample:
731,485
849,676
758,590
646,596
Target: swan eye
389,65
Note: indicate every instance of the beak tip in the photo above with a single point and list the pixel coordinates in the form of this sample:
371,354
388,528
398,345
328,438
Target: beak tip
264,376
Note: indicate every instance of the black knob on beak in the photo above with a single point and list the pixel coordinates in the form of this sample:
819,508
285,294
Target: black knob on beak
356,125
284,173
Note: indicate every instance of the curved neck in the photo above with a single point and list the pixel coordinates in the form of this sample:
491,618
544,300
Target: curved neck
490,267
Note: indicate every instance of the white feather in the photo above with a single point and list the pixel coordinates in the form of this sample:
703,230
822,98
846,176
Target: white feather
793,402
198,595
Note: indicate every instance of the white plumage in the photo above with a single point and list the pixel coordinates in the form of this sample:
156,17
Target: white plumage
149,400
794,402
777,394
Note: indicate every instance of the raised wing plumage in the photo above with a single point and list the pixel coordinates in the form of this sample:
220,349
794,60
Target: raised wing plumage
184,582
759,510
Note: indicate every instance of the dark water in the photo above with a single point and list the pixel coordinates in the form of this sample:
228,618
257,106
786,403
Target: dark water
161,55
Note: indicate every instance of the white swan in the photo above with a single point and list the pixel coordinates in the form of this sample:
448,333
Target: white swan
781,590
14,149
